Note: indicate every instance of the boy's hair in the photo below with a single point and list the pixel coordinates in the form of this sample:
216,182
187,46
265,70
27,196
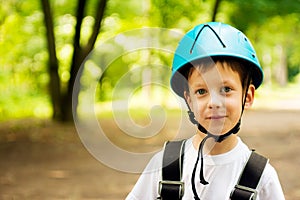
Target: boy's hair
236,65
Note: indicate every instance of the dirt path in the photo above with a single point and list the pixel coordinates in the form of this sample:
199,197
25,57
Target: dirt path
44,160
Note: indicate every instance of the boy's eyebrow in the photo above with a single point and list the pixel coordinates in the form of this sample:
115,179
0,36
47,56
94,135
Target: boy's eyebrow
197,85
226,81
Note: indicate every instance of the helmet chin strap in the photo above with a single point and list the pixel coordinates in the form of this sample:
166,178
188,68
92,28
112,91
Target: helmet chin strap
217,138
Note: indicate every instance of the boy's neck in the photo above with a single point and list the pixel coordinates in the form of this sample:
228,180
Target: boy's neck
214,148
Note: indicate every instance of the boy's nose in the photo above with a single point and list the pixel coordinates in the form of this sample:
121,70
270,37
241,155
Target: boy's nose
216,101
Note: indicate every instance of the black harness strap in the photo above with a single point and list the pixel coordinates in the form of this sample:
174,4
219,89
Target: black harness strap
249,179
171,187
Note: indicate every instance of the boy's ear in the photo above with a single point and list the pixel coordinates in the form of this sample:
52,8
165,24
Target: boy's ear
250,96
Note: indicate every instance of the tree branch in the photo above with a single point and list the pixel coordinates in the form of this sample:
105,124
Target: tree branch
97,25
79,18
77,58
215,11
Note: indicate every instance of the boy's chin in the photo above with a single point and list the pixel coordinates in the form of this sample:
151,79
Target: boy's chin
218,131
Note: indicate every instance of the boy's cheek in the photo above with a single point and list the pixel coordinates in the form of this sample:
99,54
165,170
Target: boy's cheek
197,109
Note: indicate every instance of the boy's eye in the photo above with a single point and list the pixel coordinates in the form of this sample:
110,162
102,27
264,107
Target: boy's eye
225,89
201,91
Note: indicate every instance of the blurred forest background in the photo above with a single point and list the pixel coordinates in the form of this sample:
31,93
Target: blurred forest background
43,43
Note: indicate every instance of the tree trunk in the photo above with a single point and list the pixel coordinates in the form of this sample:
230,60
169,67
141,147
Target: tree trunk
65,103
281,73
54,84
70,100
215,11
66,108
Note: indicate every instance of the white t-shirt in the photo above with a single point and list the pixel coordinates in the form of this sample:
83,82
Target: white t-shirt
221,171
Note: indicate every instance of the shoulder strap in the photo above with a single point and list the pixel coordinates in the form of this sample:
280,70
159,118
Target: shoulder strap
249,179
171,187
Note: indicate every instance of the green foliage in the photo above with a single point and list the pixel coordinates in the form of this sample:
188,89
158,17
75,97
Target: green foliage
23,57
247,13
284,30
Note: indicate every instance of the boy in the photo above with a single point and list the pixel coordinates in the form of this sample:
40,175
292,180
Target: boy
215,70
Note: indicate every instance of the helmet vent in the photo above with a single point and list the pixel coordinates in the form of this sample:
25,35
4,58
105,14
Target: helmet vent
196,38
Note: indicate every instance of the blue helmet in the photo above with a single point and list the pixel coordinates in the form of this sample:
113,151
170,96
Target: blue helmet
209,40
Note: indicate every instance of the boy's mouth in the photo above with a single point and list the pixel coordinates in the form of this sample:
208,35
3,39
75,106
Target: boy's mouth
216,117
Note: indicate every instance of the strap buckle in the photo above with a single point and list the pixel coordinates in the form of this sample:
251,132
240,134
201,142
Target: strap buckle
249,192
179,184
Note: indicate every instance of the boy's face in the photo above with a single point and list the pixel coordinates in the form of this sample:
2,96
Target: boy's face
216,97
